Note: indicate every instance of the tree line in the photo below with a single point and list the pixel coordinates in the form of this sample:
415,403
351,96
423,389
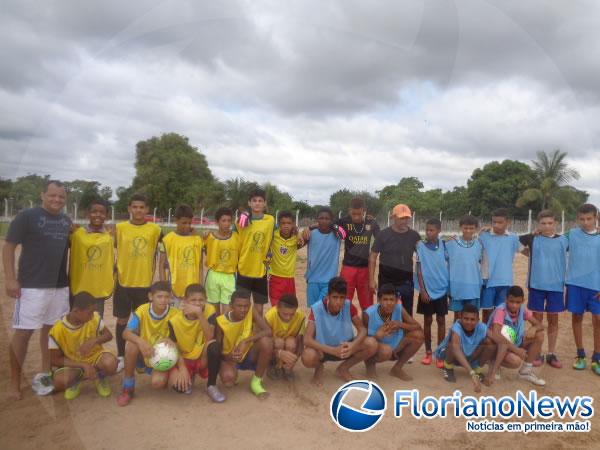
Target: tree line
170,171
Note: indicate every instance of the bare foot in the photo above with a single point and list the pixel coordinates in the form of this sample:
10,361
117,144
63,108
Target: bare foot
344,374
399,373
317,378
14,393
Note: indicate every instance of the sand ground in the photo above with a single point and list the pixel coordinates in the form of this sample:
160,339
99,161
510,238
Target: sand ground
295,416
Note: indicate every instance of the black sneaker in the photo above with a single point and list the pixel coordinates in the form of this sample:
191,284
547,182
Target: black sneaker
449,375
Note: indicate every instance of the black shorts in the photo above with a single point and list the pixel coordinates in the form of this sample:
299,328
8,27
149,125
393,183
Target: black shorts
128,299
405,290
258,287
437,307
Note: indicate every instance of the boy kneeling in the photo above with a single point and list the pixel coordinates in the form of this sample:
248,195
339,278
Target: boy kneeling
330,337
469,343
287,324
521,350
245,341
147,325
76,350
398,335
192,330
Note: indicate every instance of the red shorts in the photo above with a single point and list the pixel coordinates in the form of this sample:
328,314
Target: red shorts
358,279
279,286
194,367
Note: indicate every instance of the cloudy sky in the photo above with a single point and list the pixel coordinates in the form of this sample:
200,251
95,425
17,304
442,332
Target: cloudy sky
310,95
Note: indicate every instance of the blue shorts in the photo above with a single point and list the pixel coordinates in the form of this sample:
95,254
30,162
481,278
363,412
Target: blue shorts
548,301
493,296
580,300
315,292
457,305
141,367
247,363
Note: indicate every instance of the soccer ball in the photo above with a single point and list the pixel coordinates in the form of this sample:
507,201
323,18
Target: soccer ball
509,333
165,356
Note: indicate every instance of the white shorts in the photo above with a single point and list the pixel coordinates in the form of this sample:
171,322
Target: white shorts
38,307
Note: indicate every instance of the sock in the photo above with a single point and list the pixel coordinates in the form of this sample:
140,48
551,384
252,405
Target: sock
120,341
128,383
580,353
214,363
596,357
526,367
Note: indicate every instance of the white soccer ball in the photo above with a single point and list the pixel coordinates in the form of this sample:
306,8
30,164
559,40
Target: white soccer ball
509,333
165,356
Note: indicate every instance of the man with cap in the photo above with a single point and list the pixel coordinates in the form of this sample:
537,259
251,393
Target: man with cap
395,246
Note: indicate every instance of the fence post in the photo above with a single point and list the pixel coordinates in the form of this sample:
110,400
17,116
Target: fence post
440,216
169,220
340,214
414,217
562,222
30,204
6,207
154,215
236,215
112,213
297,215
75,212
276,215
389,214
529,223
202,217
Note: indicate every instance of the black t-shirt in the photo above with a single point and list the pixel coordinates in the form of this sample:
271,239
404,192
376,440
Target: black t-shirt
396,254
44,240
357,244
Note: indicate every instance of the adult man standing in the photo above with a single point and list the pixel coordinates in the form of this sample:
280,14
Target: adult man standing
360,230
41,286
395,246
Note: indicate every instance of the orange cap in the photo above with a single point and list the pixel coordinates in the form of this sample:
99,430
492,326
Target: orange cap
401,210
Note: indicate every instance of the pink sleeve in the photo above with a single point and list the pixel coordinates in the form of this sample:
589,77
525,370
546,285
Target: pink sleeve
499,316
528,314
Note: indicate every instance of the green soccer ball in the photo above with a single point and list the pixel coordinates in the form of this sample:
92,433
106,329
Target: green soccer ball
509,333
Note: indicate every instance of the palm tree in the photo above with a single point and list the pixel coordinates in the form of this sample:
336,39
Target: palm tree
551,182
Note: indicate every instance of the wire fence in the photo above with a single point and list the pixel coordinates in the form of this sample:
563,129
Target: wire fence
207,221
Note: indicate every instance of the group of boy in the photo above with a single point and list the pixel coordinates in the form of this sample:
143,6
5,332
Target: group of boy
220,328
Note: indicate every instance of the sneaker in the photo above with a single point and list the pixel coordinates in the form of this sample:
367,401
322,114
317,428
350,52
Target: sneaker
120,363
103,387
439,363
411,360
596,367
42,384
215,394
532,378
449,375
538,361
125,397
73,392
580,364
426,361
553,361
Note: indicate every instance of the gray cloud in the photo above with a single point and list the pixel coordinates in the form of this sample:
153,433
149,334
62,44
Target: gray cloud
313,96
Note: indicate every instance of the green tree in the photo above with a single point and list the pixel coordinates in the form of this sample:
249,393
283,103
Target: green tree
25,191
5,188
550,188
305,209
340,201
499,185
171,172
236,192
276,199
455,203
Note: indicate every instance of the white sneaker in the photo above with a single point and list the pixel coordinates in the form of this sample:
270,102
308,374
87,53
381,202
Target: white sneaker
411,360
42,384
532,378
120,364
497,375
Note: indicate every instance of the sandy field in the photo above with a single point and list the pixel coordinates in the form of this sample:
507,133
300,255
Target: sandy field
295,415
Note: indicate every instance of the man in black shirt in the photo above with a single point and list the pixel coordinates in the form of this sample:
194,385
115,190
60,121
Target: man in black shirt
395,246
355,265
41,286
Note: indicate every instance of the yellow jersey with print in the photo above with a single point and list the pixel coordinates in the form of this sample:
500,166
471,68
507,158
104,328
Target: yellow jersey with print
136,253
151,327
255,242
188,334
222,254
68,338
184,256
282,329
283,255
235,332
92,263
